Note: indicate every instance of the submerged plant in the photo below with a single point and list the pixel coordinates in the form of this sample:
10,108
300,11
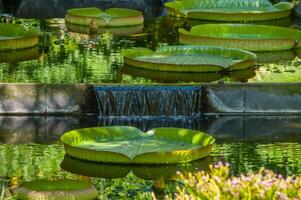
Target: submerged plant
218,184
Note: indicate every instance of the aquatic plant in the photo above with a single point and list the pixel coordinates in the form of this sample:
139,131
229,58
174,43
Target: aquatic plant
120,31
229,10
13,36
218,184
124,144
189,58
243,36
95,18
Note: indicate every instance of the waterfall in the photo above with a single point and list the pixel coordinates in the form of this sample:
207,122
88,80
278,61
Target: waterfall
152,100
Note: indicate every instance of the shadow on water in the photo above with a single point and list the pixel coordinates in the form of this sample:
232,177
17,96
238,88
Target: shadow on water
57,9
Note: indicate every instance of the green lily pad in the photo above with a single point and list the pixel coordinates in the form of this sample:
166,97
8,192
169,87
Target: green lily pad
95,18
175,77
229,10
54,190
122,144
13,36
120,31
243,36
146,172
189,58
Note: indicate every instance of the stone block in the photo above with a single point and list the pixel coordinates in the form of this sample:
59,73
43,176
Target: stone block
223,98
22,98
71,99
273,98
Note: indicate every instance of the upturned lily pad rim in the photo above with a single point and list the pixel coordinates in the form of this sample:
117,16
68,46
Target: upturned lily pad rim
203,140
279,38
196,30
79,12
111,17
130,55
281,7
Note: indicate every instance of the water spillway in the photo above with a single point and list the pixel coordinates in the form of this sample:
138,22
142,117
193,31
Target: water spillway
152,100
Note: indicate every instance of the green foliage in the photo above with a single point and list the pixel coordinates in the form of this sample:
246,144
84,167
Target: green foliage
218,184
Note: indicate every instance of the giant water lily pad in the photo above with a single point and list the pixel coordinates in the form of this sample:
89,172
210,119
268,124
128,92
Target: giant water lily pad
95,18
175,77
13,36
123,144
189,58
229,10
243,36
120,31
56,190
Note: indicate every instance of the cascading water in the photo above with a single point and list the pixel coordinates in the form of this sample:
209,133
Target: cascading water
149,100
146,107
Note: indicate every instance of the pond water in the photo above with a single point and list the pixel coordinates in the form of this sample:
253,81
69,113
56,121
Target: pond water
75,57
246,143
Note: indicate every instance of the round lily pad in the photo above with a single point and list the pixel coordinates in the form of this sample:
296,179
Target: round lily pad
95,17
13,36
122,31
243,36
189,58
129,145
229,10
146,172
54,190
175,77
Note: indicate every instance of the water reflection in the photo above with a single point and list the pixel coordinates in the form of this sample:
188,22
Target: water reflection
16,56
146,172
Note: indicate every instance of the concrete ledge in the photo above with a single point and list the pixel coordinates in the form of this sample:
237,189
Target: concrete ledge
22,98
254,98
284,98
71,99
80,99
57,99
227,98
